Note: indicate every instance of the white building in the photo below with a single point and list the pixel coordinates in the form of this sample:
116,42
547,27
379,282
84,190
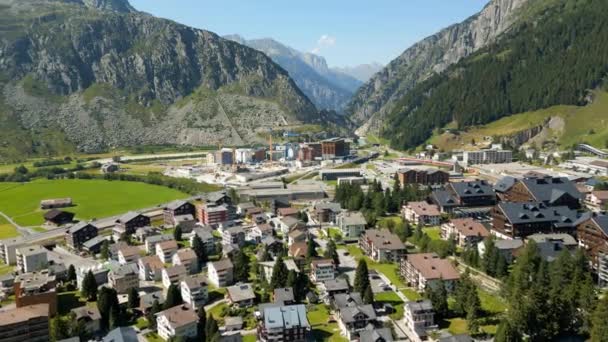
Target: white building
194,291
166,250
32,259
489,156
220,272
179,320
173,275
322,270
351,224
419,317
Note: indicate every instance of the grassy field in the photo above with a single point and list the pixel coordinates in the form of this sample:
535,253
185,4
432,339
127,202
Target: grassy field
390,270
393,299
318,317
433,232
580,124
7,230
92,198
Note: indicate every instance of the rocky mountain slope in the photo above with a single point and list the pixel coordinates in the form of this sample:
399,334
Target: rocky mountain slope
434,54
326,88
96,74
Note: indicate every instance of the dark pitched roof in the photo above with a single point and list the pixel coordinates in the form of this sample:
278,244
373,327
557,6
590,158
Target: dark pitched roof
375,335
505,184
79,226
472,189
444,198
551,189
347,299
520,213
348,314
175,204
122,334
54,213
602,222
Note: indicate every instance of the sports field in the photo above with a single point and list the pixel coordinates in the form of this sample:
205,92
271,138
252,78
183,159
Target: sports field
91,198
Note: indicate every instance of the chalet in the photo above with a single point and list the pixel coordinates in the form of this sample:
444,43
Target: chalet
508,249
89,317
342,300
467,231
330,288
355,319
288,212
283,296
597,200
464,194
551,245
511,220
142,233
298,252
296,236
376,335
382,246
322,270
427,269
80,233
289,223
177,208
419,176
422,213
272,245
592,234
261,231
130,221
551,191
94,245
56,217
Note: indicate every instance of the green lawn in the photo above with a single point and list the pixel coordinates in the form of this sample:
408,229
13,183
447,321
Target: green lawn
92,198
5,269
334,233
249,338
142,323
490,303
411,294
153,337
393,299
318,317
433,232
458,326
7,230
390,270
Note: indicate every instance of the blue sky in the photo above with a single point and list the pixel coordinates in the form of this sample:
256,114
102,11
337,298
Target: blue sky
345,32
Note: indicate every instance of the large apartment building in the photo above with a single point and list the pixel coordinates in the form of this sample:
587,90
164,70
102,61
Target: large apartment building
284,323
27,323
382,246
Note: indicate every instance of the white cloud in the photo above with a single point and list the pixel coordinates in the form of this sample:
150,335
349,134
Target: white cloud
326,41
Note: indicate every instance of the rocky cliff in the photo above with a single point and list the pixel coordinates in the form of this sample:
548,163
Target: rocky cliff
107,75
434,54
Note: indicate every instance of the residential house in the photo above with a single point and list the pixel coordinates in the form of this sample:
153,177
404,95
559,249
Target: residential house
284,323
422,213
287,224
93,246
130,221
150,268
354,319
121,334
330,288
173,275
220,272
56,217
206,236
466,231
342,300
80,233
507,248
513,220
288,212
233,324
188,258
551,191
427,269
128,254
124,277
464,194
234,236
352,224
146,301
32,258
241,208
298,252
382,246
326,212
597,200
261,231
89,316
152,241
273,245
420,317
283,296
322,270
592,235
296,236
177,321
194,290
142,233
27,323
376,335
166,250
175,209
241,295
422,176
551,245
268,266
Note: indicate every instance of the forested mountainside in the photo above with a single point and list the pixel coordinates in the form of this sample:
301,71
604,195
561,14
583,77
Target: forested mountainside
93,74
374,100
556,57
326,88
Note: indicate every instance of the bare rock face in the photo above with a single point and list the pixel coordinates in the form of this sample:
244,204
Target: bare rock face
377,97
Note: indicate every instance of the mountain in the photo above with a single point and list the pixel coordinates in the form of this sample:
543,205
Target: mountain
554,54
361,72
327,88
434,54
96,74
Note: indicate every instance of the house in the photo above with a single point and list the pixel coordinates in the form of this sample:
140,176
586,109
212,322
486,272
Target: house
463,194
382,245
173,275
298,252
188,258
273,245
80,233
27,323
128,254
420,317
422,213
220,272
551,191
427,269
467,231
55,203
32,258
152,241
551,245
240,295
283,296
89,316
288,212
121,334
322,270
326,212
210,214
124,277
354,319
56,217
206,236
296,236
194,290
352,224
284,323
241,208
512,220
36,288
287,224
233,323
330,288
150,268
597,200
142,233
100,274
185,222
422,176
7,281
592,235
261,231
180,320
376,335
342,300
234,236
146,301
93,246
268,266
166,250
130,221
177,208
506,248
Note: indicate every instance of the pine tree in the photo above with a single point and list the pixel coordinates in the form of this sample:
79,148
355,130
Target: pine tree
599,331
108,299
151,316
506,332
174,297
292,279
301,287
114,319
72,273
279,274
202,322
133,301
361,277
266,255
368,295
211,328
311,249
439,298
177,233
332,253
200,250
241,266
105,250
59,329
89,287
